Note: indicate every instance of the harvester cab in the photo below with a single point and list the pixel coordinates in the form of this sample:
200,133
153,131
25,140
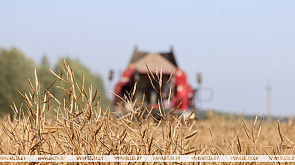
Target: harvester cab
176,94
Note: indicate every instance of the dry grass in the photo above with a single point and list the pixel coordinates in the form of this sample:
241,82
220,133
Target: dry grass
81,127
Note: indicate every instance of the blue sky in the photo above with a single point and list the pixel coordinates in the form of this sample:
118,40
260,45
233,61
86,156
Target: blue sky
238,46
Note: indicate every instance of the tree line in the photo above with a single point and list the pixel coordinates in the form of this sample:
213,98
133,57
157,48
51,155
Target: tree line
16,68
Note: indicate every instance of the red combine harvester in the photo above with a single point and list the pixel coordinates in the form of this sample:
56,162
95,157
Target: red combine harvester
180,91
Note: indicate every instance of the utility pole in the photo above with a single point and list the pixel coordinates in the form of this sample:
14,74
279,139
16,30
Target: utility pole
199,101
268,102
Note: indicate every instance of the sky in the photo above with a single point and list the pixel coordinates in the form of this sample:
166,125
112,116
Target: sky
240,47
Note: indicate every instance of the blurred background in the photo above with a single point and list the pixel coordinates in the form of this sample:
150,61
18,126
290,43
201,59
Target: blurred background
242,48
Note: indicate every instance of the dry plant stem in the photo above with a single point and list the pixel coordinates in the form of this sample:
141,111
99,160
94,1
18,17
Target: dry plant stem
80,126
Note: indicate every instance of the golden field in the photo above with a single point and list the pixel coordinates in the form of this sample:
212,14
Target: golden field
80,127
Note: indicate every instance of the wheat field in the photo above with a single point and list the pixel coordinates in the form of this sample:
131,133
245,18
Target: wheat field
80,127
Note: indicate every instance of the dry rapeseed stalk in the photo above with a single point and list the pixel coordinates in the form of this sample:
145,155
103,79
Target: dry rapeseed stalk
80,126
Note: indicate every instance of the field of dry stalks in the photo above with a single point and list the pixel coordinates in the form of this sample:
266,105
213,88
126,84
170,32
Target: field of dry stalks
81,127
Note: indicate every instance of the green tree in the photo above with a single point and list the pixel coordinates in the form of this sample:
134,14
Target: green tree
44,75
90,79
15,69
